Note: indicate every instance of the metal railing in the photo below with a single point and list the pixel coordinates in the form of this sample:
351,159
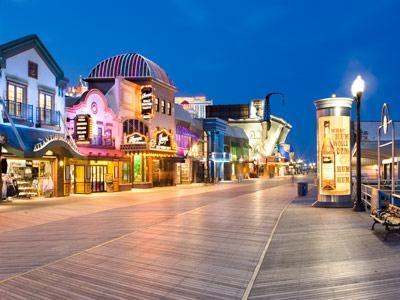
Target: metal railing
373,197
19,110
48,117
103,140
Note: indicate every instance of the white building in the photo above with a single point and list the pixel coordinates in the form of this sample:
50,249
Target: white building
35,144
31,83
196,106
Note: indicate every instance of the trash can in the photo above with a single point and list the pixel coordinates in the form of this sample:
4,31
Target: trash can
302,188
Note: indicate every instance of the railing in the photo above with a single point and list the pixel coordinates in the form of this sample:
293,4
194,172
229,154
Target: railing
48,117
103,140
220,156
374,197
19,110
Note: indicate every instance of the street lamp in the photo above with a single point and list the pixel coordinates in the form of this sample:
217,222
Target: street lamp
357,89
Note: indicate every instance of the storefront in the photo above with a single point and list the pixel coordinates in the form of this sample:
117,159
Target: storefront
152,162
97,131
34,164
98,174
32,177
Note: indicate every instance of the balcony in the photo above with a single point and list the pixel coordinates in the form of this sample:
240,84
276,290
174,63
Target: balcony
102,141
47,117
21,113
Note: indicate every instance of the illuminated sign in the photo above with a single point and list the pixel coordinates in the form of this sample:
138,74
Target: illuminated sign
136,139
334,155
135,142
163,141
147,102
83,128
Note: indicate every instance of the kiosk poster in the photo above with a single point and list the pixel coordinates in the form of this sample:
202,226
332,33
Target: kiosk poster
334,163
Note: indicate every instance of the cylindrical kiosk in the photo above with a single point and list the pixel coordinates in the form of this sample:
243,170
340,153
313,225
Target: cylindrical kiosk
334,152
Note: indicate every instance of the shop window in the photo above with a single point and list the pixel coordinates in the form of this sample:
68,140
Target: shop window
126,172
108,137
163,106
137,168
32,177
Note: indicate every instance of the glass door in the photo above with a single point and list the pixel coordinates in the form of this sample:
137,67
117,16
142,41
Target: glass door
98,178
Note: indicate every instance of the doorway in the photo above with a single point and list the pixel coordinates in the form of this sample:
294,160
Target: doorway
98,178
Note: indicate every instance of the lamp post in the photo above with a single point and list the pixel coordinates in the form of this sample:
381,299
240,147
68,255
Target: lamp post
357,89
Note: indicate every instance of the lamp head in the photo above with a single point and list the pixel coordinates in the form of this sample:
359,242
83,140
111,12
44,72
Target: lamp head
358,86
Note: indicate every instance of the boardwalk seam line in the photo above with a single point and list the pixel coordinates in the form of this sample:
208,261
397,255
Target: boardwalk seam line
263,254
121,237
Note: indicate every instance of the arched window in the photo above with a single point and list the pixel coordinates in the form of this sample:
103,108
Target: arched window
130,126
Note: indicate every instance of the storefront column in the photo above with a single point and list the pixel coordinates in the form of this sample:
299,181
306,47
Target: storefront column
58,169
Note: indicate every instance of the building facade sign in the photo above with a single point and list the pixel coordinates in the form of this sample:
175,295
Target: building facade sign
334,155
163,140
147,102
135,142
136,138
83,128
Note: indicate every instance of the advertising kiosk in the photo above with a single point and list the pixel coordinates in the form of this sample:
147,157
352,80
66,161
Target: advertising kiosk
334,152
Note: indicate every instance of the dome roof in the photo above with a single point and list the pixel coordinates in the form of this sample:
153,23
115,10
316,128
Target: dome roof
130,65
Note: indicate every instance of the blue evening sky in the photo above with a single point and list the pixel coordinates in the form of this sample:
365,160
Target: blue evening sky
232,51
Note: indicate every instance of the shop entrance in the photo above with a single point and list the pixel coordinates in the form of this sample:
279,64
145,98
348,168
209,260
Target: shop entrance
98,178
89,178
163,172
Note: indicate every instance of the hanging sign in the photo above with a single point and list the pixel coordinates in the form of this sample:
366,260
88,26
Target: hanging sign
82,128
334,155
147,102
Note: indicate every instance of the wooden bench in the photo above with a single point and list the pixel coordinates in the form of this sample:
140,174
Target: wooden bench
388,217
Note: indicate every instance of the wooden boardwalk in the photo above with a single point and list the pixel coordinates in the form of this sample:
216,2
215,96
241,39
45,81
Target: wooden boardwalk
197,245
321,253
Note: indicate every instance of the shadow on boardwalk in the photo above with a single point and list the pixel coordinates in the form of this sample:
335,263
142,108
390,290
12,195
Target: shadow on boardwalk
319,253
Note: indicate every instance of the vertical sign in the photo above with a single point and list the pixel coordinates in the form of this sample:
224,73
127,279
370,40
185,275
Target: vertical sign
82,128
147,102
334,155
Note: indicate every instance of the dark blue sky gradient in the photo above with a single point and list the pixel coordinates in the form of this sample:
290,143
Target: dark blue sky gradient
232,51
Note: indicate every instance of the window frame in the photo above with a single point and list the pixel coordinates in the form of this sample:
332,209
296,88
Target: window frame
126,173
15,85
163,106
36,66
157,104
52,97
169,108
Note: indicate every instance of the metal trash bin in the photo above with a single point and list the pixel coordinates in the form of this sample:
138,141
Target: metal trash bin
302,189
